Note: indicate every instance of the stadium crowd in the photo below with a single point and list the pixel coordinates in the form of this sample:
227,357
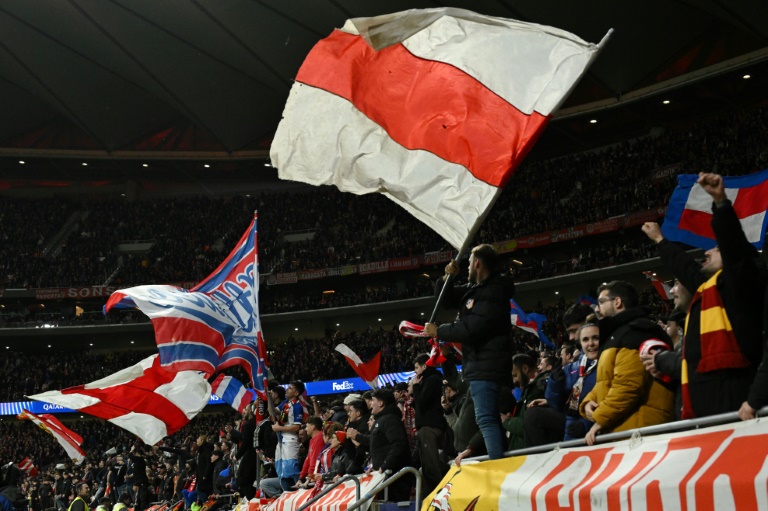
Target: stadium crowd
567,261
347,229
616,365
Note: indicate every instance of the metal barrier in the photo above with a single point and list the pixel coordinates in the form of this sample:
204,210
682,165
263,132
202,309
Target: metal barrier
322,494
385,484
669,427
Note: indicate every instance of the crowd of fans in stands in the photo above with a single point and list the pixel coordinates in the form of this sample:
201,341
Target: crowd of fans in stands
610,356
571,260
306,359
191,235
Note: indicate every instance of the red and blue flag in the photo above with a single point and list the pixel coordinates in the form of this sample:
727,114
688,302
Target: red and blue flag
689,214
529,322
232,391
214,325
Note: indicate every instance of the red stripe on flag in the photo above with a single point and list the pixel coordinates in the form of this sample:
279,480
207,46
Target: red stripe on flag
54,423
752,200
698,222
135,396
424,104
169,330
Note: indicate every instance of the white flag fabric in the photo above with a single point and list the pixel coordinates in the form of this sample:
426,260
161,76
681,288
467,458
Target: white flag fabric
433,108
144,399
67,438
367,371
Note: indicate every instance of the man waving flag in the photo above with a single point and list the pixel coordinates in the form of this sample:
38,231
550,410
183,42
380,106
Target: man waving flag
434,108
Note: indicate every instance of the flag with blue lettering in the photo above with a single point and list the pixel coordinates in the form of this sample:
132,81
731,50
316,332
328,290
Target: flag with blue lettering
212,326
529,322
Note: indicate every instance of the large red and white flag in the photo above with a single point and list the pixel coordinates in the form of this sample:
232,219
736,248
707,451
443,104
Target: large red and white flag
434,108
368,371
67,438
144,399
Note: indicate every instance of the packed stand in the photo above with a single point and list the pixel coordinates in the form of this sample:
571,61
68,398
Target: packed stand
347,229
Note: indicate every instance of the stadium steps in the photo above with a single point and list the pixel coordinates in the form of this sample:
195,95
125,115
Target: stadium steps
53,249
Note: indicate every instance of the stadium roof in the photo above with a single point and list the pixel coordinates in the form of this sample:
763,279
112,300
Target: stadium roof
212,76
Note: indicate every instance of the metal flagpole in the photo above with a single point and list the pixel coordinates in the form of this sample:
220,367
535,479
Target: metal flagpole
463,250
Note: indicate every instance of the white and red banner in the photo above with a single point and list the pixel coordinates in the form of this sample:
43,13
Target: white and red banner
661,287
338,499
368,371
144,399
434,108
723,467
67,438
28,467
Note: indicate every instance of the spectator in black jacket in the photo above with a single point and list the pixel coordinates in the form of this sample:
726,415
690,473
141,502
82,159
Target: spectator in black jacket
204,470
483,329
140,479
357,421
427,390
388,442
246,454
219,464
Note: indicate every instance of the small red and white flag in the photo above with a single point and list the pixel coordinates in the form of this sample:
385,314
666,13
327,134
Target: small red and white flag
28,467
664,289
368,371
67,438
436,358
434,108
232,391
144,399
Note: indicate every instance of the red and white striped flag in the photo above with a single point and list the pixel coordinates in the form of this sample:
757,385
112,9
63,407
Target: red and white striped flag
368,371
434,108
28,467
664,289
232,391
144,399
67,438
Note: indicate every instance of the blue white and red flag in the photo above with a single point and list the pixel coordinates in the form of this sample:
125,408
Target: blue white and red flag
588,301
212,326
529,322
232,391
689,214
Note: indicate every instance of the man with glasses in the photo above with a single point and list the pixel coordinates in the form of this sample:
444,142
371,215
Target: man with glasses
625,396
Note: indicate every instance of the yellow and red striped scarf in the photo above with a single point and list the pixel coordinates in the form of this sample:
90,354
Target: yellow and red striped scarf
719,349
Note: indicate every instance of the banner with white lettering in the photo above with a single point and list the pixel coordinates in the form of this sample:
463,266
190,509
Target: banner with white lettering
57,293
723,467
338,499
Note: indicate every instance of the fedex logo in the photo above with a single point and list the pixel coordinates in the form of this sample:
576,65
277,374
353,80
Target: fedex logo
345,385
